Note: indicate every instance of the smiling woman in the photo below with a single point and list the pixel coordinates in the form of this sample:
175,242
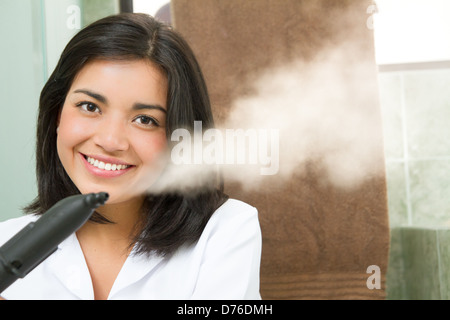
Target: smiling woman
112,125
121,87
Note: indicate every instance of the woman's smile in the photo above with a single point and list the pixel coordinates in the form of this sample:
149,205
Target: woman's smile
105,167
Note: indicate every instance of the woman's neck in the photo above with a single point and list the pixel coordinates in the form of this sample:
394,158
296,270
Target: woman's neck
106,246
124,218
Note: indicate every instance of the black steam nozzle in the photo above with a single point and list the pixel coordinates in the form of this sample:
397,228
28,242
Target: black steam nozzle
96,199
39,239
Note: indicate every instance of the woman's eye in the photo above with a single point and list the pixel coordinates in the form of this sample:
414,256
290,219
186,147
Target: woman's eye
88,107
146,121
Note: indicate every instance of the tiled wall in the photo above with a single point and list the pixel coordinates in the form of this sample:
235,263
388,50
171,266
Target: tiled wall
419,266
416,119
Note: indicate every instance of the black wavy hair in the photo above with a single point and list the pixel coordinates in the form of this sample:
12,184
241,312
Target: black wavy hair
168,220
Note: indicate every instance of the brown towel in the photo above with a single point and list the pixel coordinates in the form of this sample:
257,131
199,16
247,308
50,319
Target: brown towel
318,238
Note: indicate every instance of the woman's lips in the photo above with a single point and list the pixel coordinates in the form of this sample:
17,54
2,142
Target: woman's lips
105,167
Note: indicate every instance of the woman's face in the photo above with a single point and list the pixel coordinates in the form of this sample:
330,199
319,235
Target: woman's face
111,130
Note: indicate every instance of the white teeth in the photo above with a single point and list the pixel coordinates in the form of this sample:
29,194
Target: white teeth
106,166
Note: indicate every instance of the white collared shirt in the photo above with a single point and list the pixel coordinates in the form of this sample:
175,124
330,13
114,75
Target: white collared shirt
223,264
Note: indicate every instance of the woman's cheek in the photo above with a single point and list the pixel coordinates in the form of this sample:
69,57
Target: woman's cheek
151,149
71,132
73,127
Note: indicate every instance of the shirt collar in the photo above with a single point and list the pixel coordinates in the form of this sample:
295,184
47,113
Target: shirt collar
69,266
134,269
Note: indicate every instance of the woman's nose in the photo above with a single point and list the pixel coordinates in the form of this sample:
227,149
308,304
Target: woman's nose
111,136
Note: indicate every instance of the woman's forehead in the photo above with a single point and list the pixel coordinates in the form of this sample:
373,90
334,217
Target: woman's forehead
124,79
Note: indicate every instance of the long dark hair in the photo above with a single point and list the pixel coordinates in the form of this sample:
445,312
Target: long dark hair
169,220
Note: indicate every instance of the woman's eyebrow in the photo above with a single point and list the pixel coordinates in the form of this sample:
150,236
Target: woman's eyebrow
136,106
94,95
140,106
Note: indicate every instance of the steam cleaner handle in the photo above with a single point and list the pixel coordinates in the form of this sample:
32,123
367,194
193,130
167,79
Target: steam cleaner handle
39,239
